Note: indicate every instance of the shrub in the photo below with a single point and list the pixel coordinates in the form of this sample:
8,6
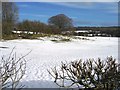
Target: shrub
95,74
12,71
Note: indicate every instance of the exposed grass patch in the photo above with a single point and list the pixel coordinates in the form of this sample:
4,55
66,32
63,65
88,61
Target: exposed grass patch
80,38
61,40
52,37
4,47
54,40
9,37
40,35
65,40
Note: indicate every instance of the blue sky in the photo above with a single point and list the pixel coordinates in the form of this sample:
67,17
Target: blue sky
82,13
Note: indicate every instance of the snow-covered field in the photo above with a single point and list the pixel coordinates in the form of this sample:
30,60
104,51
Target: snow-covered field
46,53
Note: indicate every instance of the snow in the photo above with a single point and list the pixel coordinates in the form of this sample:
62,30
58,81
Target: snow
46,53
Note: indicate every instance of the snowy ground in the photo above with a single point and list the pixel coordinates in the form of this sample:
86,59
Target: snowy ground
46,54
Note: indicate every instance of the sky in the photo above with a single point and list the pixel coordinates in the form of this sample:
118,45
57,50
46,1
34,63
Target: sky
82,13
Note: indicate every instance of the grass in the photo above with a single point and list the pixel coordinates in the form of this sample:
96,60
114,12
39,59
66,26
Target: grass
9,37
54,40
63,39
55,37
40,35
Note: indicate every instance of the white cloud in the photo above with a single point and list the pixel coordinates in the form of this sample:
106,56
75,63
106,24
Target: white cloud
110,7
33,15
85,5
95,23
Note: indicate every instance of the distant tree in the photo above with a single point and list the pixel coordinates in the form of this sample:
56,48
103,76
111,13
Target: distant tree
61,21
25,25
9,17
34,26
52,30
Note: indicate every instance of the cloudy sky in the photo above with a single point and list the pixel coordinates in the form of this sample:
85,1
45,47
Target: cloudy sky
82,13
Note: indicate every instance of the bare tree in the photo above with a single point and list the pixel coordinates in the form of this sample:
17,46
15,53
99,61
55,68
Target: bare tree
97,74
12,70
9,17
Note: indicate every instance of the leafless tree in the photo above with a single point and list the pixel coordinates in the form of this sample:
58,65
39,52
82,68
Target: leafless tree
9,17
98,74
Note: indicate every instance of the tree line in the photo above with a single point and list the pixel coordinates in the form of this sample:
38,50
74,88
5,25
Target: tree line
36,27
10,21
56,24
112,30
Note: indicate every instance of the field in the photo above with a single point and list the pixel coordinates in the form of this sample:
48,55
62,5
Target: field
49,52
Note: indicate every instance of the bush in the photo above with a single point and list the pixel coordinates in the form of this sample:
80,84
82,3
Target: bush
12,71
9,37
90,74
